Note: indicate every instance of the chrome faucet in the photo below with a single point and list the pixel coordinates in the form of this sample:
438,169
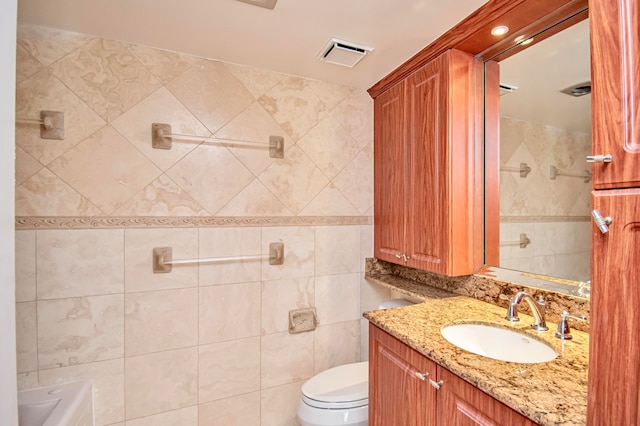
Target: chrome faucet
537,308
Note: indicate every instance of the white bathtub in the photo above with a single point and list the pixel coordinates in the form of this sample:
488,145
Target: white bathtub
70,404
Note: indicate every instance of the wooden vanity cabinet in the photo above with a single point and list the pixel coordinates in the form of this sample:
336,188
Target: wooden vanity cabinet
424,167
401,392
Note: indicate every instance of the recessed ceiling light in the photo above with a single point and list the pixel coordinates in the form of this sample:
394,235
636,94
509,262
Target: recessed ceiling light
267,4
521,40
500,30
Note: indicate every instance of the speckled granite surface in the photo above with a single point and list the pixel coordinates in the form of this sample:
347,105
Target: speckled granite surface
481,287
553,393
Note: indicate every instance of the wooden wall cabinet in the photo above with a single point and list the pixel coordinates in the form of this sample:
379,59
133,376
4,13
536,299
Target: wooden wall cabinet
614,351
401,392
425,165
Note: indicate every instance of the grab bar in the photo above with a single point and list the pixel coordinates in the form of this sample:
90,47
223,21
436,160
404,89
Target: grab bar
163,258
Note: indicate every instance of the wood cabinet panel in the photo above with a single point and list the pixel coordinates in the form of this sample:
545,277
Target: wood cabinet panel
462,404
615,73
389,174
425,206
614,352
397,396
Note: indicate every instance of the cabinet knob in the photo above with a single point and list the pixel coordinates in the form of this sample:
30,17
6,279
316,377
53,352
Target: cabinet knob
421,376
601,222
606,158
437,384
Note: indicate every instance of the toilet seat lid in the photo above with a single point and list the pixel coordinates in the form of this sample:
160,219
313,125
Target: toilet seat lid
345,383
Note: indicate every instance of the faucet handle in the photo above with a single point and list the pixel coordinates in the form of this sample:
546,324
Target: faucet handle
563,331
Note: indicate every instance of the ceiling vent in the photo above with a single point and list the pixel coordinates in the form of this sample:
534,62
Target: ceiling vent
267,4
578,90
343,53
505,88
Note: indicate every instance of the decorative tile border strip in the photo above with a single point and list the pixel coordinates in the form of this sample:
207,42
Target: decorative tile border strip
538,219
101,222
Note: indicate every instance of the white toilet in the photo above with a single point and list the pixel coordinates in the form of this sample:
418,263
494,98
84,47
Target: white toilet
339,395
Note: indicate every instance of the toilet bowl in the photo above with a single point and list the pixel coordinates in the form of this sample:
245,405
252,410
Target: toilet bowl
339,395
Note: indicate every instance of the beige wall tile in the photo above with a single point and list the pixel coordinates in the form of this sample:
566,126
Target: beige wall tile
355,181
229,369
337,250
364,340
256,80
162,197
366,244
26,65
26,166
106,169
26,337
45,194
160,320
49,44
294,105
330,94
43,91
255,200
165,65
253,124
138,258
279,297
355,114
183,417
160,107
241,410
211,175
108,386
226,96
25,266
79,263
160,382
329,202
279,405
27,381
106,76
372,295
295,180
329,146
338,298
229,312
286,358
337,344
229,242
80,330
298,252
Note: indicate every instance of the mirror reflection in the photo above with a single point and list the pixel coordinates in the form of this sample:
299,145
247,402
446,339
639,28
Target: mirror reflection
545,135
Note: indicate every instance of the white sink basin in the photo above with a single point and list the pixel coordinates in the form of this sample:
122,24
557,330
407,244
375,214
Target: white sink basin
499,343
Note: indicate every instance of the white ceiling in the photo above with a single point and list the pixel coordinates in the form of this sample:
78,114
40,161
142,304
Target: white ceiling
285,39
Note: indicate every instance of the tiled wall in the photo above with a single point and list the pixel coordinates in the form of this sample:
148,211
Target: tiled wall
553,213
204,344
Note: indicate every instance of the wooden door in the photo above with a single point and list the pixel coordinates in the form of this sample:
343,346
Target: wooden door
462,404
614,345
389,174
440,205
397,395
615,74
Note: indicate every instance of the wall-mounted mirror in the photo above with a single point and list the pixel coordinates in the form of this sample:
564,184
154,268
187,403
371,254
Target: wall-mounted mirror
545,183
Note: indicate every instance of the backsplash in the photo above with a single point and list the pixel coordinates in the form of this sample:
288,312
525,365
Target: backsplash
409,281
203,344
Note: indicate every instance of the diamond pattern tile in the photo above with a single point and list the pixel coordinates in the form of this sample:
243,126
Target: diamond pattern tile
48,45
106,169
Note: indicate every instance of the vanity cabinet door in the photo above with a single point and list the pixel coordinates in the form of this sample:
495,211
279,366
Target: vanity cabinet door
462,404
389,174
424,168
614,343
615,73
398,395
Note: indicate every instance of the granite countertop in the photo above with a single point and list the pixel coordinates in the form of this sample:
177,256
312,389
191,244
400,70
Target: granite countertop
552,393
